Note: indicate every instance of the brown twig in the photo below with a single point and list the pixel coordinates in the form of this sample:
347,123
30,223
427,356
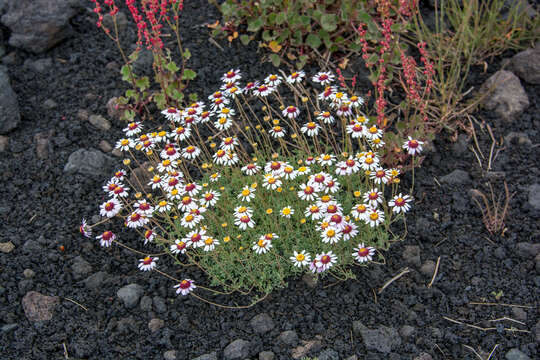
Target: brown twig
501,304
403,272
435,272
76,303
483,328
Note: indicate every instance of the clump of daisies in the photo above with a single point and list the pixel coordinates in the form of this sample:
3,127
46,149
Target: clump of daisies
265,180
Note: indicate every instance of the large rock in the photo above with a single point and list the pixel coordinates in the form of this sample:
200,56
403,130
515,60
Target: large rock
88,162
9,107
383,339
38,25
526,65
130,295
238,349
38,307
506,95
534,196
262,323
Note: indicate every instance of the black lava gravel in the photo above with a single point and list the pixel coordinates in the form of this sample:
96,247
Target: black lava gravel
41,208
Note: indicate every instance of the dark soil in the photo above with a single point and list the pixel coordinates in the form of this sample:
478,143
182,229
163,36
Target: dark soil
41,208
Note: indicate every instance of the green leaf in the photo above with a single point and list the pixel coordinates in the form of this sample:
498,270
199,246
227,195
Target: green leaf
130,93
143,83
267,35
177,95
159,99
364,17
189,74
172,67
275,59
193,97
245,39
255,25
306,20
187,54
280,18
313,40
126,71
272,18
329,22
134,55
302,59
129,115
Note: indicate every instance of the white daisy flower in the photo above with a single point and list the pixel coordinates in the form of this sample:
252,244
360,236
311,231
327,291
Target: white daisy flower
288,172
136,220
215,177
326,159
277,131
247,194
373,133
273,80
287,212
413,146
296,77
231,76
163,206
124,144
356,130
240,211
195,238
231,159
251,169
185,287
291,112
171,114
191,189
179,247
210,243
325,261
303,170
148,263
143,208
170,152
349,231
360,211
187,204
262,246
307,192
373,197
374,217
363,253
271,182
330,235
191,152
190,220
314,212
133,128
156,182
223,123
310,128
110,208
229,143
323,78
356,101
166,166
263,90
400,203
106,238
149,236
210,198
326,117
245,221
300,259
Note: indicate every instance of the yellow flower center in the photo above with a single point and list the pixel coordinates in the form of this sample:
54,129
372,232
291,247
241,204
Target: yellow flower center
162,203
374,216
300,257
246,192
242,209
260,243
331,233
286,211
124,142
189,217
209,241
